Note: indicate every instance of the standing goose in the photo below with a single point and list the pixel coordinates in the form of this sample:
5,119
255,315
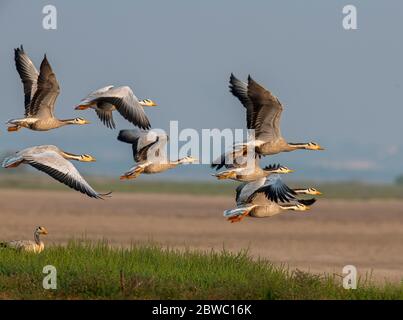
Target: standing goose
263,113
40,91
149,153
35,246
54,162
105,100
261,198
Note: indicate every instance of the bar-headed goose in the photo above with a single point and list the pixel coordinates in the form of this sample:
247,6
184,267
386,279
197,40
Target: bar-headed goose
251,172
149,152
266,197
54,162
108,99
41,91
35,246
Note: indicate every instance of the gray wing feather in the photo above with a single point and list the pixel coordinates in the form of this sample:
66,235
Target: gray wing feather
44,99
156,152
104,113
125,102
96,94
28,74
246,189
143,142
275,190
62,170
238,157
267,111
129,136
240,90
230,159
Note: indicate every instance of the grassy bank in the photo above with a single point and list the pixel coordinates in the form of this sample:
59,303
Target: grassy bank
97,271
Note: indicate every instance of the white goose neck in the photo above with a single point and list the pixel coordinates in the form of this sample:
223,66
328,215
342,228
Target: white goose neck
37,238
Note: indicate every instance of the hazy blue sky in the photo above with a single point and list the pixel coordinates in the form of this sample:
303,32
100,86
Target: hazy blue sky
340,88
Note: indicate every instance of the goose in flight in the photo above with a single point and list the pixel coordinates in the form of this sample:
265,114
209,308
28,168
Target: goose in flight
149,152
54,162
35,246
105,100
266,197
263,114
267,209
251,172
40,91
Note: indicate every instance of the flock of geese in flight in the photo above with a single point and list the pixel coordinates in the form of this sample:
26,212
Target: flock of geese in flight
262,192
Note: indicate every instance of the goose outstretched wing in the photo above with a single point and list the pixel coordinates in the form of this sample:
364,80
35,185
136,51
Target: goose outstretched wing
246,189
104,112
43,102
240,90
275,190
28,74
267,111
62,170
125,102
145,143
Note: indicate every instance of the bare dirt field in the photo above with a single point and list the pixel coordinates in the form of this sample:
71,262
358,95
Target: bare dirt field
367,234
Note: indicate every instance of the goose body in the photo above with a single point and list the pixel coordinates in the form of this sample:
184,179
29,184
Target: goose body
263,208
267,197
252,172
41,91
54,162
35,246
149,153
271,208
108,99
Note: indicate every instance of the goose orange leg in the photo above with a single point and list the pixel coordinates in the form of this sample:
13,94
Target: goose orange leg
238,218
13,128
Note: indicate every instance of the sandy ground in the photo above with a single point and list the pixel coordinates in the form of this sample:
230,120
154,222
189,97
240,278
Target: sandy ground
333,234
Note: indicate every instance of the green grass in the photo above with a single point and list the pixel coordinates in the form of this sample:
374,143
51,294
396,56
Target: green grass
337,190
98,271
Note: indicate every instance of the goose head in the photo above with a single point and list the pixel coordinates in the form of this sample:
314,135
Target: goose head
188,159
278,169
78,121
313,146
41,230
86,158
148,103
